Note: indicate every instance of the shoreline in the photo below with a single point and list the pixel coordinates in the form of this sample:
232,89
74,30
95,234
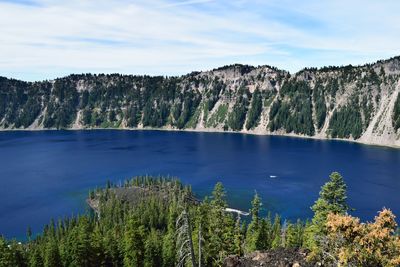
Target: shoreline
205,130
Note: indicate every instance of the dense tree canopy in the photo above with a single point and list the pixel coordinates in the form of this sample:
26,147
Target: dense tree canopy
293,112
238,97
127,231
396,114
136,225
347,122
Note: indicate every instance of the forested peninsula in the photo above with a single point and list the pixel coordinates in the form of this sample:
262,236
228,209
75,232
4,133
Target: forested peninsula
157,221
360,103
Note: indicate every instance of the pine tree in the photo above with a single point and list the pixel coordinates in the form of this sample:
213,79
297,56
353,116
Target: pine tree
238,238
255,210
169,240
19,257
295,235
253,228
5,254
277,232
52,254
134,239
333,199
35,258
263,239
291,239
113,245
217,225
219,197
97,256
153,249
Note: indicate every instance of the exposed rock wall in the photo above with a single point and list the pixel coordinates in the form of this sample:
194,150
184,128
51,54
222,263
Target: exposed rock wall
352,103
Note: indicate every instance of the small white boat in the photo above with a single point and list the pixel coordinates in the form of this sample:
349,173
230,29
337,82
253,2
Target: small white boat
273,176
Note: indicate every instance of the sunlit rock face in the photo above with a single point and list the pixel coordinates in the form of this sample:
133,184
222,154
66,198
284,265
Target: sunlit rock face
356,103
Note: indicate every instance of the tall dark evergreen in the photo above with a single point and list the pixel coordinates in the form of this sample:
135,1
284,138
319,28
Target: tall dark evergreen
332,199
253,231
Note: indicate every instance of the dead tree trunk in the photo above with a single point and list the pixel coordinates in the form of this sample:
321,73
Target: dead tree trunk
184,239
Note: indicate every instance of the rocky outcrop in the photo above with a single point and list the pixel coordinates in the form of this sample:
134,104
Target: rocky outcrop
355,103
273,258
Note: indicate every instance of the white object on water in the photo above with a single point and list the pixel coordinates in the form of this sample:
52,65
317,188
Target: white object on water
237,211
273,176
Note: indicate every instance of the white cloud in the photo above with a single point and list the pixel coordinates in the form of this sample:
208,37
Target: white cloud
45,38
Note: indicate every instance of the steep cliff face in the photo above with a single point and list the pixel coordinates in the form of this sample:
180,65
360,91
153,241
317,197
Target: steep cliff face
357,103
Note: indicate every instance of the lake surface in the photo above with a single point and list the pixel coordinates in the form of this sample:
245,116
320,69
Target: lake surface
47,174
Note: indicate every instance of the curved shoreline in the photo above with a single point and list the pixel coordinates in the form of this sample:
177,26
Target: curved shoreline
205,130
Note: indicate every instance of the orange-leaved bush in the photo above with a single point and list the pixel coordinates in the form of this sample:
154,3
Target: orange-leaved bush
364,244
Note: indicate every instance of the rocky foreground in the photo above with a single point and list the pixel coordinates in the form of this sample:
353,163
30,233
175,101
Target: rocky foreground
280,257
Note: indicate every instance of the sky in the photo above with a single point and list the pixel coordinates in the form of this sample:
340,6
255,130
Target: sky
45,39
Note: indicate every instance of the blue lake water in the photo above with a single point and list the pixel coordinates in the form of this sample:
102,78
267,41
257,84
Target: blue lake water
47,174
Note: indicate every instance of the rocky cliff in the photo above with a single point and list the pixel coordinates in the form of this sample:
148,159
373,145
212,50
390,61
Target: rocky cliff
360,103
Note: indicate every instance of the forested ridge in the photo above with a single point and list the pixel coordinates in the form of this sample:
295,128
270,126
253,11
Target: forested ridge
157,221
350,102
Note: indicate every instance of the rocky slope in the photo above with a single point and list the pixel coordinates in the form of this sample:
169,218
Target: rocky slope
280,257
359,103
